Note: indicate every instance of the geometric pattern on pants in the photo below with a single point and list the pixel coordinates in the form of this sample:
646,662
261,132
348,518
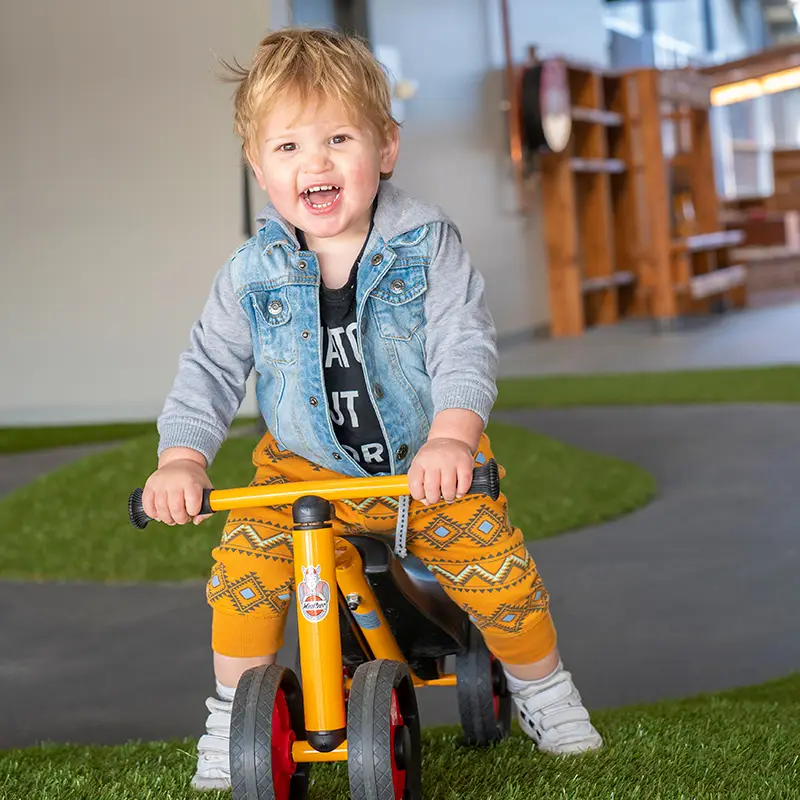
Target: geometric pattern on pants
477,556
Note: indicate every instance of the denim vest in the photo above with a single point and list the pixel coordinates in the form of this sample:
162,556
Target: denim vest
277,286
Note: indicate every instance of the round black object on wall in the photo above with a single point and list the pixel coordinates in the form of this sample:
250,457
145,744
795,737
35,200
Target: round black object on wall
546,106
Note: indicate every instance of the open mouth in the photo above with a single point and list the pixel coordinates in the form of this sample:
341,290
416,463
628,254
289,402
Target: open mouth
321,197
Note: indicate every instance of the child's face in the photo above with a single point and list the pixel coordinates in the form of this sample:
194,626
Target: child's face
299,149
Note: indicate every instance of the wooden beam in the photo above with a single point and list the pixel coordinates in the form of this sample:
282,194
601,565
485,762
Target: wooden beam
561,239
654,200
755,66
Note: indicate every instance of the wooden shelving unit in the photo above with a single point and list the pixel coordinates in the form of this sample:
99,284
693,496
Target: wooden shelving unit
685,249
585,195
632,217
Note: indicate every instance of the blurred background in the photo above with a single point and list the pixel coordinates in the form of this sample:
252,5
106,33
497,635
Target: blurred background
122,183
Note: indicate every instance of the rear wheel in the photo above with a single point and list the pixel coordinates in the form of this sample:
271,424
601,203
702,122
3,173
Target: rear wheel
383,733
266,719
484,702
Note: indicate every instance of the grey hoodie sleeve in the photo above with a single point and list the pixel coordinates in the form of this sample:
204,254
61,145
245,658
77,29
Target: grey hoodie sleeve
461,352
212,375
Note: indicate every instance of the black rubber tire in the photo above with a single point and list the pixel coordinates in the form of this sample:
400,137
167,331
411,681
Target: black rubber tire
479,678
369,761
251,733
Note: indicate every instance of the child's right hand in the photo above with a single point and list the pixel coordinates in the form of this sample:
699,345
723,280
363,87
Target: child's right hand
173,494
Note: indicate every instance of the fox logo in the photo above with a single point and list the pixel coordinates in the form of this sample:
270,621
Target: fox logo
313,594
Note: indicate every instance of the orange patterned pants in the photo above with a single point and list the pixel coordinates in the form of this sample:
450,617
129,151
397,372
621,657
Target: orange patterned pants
479,559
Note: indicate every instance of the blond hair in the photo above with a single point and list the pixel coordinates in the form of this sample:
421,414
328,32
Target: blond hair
311,65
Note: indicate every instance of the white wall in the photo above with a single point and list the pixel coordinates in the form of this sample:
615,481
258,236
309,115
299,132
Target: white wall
454,147
120,196
121,182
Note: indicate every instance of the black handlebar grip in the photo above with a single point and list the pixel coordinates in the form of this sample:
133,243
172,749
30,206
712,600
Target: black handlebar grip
138,516
136,513
486,480
205,506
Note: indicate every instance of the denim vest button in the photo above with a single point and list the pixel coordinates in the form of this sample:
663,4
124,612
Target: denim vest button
397,286
302,265
402,452
275,307
376,260
337,456
313,401
378,391
306,334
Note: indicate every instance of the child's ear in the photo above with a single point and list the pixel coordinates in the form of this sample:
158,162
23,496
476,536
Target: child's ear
389,151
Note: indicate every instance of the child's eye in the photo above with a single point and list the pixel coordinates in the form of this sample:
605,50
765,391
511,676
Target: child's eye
287,147
339,139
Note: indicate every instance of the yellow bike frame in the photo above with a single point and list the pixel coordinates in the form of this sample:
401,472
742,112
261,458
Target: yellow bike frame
327,570
320,558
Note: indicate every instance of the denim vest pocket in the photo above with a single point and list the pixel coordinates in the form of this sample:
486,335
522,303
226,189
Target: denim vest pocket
272,315
399,301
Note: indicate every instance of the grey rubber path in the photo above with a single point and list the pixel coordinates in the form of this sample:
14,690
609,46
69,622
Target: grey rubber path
698,591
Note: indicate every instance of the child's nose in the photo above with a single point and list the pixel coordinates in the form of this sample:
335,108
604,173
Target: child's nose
318,161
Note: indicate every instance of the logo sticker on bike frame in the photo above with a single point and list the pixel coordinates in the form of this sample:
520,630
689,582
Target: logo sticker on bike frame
314,595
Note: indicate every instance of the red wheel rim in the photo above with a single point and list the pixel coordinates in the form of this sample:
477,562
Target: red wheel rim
283,737
495,695
398,775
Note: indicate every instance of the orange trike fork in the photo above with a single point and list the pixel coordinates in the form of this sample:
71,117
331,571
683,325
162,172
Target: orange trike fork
318,623
324,565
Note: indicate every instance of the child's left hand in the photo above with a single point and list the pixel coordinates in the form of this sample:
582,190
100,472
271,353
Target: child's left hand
441,470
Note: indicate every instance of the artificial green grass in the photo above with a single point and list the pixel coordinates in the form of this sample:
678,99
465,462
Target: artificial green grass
750,385
72,524
747,385
26,438
23,439
737,745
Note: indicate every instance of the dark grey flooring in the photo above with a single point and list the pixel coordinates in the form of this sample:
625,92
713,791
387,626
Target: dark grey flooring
17,469
698,591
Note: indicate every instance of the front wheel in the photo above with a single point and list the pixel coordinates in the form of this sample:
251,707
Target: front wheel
484,702
266,719
383,733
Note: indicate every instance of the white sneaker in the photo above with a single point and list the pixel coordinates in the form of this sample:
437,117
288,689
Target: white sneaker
552,714
213,748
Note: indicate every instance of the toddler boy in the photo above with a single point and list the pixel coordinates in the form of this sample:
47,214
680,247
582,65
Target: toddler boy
360,312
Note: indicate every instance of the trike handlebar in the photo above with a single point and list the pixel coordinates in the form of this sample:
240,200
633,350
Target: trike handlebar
485,480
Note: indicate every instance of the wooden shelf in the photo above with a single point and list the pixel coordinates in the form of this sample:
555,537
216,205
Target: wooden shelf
620,278
592,269
594,165
681,236
717,282
597,115
701,242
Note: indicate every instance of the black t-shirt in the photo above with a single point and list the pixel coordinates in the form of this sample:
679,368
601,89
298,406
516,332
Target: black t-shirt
352,413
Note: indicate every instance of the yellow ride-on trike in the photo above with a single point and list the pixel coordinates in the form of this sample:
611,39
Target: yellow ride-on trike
361,667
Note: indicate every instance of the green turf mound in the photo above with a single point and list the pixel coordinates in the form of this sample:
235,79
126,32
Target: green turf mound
72,523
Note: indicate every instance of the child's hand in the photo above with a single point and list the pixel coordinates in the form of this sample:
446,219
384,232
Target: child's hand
174,492
441,470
